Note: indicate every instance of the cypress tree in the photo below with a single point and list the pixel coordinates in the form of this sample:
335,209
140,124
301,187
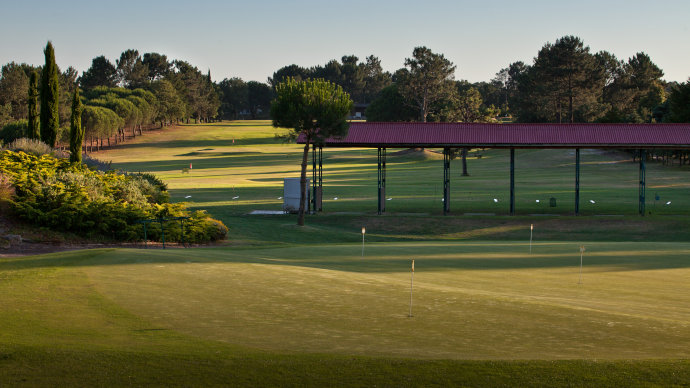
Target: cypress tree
34,129
76,131
50,118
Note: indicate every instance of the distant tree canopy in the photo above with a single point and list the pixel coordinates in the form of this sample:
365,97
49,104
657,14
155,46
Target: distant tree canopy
679,104
565,83
426,80
363,81
101,73
391,106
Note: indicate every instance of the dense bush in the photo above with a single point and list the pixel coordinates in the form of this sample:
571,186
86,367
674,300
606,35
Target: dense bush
66,196
13,131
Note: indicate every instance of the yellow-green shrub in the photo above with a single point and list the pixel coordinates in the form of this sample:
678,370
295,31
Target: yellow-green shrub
54,193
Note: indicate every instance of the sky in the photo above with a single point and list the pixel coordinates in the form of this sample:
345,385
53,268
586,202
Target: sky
252,39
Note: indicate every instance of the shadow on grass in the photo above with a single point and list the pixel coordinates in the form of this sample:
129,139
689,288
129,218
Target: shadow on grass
189,143
381,258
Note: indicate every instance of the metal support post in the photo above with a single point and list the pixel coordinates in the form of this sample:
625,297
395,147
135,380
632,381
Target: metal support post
313,179
643,156
577,181
320,190
381,180
512,181
446,181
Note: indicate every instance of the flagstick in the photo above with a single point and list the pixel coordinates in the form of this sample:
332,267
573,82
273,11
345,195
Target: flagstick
531,228
411,283
582,249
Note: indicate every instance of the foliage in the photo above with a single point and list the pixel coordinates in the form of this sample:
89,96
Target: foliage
362,80
563,85
33,147
6,192
234,97
679,104
170,105
100,122
195,89
157,65
65,196
50,94
101,73
426,80
315,109
13,87
76,130
567,83
34,130
390,105
13,131
131,70
259,97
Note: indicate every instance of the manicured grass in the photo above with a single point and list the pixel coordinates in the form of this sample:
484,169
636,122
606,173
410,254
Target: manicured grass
280,305
253,167
324,315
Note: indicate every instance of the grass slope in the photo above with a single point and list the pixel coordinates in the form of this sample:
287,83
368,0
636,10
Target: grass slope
325,316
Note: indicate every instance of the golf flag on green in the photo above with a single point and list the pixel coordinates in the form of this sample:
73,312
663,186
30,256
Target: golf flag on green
412,265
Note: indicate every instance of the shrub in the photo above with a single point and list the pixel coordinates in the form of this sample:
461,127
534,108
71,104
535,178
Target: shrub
53,193
6,192
30,146
96,164
13,131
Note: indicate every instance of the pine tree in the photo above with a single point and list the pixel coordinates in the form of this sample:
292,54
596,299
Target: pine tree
76,131
34,131
50,117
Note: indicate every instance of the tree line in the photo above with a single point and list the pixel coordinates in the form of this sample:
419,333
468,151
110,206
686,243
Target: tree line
135,91
565,83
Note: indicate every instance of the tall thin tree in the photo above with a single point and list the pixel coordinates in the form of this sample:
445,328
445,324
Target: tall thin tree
76,131
34,131
50,117
315,110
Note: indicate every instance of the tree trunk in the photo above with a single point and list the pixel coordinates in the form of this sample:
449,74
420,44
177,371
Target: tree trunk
303,184
464,162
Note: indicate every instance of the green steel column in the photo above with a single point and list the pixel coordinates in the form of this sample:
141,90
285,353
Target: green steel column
446,181
383,180
320,202
313,180
643,156
379,195
512,181
577,181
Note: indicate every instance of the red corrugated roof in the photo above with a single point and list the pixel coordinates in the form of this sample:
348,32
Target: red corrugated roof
513,135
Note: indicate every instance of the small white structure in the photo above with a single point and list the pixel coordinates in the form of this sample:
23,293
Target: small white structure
291,194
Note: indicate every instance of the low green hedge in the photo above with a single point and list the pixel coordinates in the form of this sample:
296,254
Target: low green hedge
51,192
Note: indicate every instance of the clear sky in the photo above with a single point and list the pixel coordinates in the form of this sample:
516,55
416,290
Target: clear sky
251,39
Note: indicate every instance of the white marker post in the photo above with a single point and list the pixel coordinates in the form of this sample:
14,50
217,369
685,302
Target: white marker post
531,228
364,230
582,250
411,283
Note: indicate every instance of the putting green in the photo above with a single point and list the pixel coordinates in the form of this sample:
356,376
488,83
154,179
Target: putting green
470,300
